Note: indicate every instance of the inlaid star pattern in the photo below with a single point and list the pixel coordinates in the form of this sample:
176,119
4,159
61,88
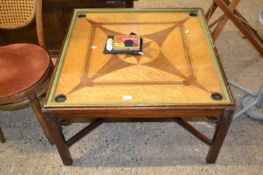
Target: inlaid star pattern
117,62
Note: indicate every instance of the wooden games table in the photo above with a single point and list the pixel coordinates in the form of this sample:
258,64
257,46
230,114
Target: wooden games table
179,75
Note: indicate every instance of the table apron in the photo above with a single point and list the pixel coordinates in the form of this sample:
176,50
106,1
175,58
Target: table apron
134,113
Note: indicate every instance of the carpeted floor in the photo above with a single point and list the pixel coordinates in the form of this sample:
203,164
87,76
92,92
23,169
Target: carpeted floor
150,148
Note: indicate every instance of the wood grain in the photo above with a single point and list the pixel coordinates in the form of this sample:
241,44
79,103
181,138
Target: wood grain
178,66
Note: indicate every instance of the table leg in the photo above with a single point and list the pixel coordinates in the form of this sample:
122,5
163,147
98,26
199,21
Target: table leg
222,127
59,140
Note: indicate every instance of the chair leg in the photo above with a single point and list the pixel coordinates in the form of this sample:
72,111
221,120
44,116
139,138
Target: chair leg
2,137
244,28
211,11
220,26
42,121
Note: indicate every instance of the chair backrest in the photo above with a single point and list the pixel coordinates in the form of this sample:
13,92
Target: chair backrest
19,13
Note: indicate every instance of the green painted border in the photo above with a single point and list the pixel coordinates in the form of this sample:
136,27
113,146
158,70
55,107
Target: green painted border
138,103
218,71
61,60
66,44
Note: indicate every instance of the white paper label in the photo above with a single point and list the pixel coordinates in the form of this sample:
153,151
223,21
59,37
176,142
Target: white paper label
126,97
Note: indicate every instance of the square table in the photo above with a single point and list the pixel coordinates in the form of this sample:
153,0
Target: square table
178,75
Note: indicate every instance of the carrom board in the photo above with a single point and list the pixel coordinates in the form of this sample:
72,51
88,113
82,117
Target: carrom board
179,65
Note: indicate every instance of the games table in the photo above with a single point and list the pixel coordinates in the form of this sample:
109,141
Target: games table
178,75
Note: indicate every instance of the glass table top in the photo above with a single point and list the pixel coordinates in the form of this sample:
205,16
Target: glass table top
178,66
